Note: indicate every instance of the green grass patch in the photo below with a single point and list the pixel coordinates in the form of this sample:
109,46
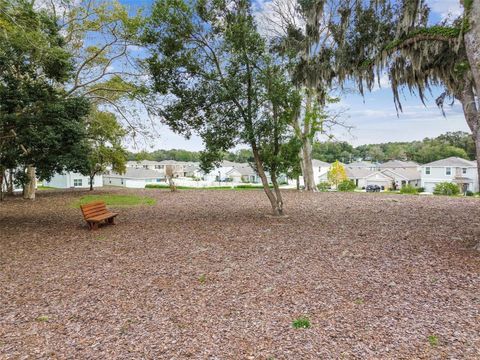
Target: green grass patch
433,340
302,322
45,188
42,318
202,279
115,200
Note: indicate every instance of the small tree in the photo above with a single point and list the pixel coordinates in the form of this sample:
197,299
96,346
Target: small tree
105,135
336,174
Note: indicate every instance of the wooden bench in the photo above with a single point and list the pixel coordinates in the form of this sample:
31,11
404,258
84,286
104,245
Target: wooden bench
96,212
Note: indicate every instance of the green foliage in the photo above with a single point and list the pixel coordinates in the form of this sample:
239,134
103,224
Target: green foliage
336,174
202,279
323,186
446,188
469,193
42,318
408,189
105,136
39,125
302,322
115,200
346,185
433,340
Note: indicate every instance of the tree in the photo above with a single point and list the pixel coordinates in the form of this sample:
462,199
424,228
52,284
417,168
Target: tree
41,130
299,32
210,64
336,174
105,137
397,37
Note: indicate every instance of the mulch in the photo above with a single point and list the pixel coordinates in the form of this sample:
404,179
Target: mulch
209,275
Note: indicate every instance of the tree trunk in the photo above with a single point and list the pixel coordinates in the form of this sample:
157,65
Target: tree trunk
29,187
307,167
91,182
2,177
472,43
10,182
277,204
472,116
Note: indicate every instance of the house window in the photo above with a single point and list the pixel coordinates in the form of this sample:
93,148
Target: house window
145,166
464,170
77,182
427,171
448,171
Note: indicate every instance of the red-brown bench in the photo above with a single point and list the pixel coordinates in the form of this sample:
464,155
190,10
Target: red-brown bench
96,212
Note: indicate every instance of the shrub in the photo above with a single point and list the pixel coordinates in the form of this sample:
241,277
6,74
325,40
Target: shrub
346,185
301,323
446,188
421,189
408,189
323,186
469,193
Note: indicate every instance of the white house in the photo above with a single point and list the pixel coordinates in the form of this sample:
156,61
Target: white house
320,168
133,178
73,180
453,169
403,176
220,172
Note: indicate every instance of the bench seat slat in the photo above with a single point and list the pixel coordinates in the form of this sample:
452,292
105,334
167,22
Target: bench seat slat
102,217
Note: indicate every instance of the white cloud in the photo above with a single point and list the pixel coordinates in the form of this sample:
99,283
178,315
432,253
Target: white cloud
446,8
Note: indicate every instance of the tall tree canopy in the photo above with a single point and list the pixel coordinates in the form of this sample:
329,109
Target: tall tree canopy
211,65
39,126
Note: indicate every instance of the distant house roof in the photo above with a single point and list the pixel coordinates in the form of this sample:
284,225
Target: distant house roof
143,162
133,173
319,163
407,174
245,170
452,161
171,162
360,164
358,173
398,164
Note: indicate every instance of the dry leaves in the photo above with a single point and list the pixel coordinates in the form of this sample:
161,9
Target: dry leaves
206,274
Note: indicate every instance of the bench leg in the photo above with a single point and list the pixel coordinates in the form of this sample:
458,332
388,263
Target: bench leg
111,221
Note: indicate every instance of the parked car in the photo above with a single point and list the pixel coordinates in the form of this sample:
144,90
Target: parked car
372,188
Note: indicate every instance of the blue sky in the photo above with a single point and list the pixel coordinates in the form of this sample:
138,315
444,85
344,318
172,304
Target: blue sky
373,117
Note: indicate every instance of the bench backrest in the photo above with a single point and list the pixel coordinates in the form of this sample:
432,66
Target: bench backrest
93,209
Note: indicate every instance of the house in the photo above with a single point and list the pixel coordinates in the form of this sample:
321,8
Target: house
403,176
362,165
244,173
133,178
220,172
145,164
453,169
319,168
398,164
73,180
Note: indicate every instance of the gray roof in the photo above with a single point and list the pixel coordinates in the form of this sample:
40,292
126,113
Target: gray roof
398,164
408,174
358,173
133,173
452,162
319,163
143,162
360,164
245,170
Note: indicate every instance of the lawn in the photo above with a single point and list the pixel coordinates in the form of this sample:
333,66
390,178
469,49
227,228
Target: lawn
115,200
208,274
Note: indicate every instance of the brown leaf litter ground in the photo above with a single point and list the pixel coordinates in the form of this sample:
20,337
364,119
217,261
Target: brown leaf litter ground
208,275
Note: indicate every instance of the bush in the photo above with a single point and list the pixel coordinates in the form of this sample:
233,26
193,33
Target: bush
346,185
469,193
323,186
421,189
408,189
446,188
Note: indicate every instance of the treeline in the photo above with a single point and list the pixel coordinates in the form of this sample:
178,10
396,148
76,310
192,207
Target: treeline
457,143
240,156
427,150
